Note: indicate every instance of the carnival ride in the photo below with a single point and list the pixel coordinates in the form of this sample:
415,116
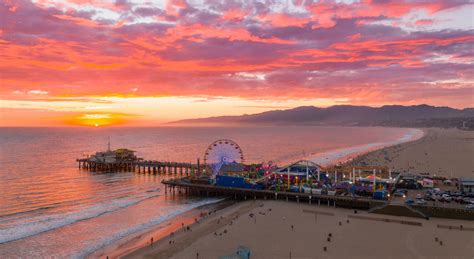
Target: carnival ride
222,152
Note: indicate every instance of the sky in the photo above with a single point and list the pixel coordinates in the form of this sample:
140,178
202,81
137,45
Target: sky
147,62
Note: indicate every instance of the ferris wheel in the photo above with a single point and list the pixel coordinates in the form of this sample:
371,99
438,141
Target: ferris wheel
221,152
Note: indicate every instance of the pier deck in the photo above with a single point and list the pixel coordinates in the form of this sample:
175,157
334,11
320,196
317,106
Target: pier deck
184,186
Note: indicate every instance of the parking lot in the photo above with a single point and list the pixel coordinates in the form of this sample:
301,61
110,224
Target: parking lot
420,197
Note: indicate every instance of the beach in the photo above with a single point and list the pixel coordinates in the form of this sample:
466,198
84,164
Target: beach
278,228
441,152
268,233
102,225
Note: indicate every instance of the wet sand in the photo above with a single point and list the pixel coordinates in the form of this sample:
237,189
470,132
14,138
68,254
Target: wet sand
159,233
181,239
269,234
441,152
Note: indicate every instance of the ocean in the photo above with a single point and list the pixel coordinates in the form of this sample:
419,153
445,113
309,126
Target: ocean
50,208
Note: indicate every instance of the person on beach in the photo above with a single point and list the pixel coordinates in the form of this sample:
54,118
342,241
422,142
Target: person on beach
151,241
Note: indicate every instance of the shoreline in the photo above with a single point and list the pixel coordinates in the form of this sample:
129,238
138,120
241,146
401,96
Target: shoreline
440,152
135,242
159,232
131,244
360,157
166,247
345,155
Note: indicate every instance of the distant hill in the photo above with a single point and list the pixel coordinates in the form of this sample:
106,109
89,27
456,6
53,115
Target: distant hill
348,115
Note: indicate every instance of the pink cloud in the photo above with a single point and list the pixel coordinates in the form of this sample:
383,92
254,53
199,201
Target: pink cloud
424,22
333,50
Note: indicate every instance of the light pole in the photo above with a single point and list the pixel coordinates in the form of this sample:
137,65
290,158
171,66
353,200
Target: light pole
288,177
374,180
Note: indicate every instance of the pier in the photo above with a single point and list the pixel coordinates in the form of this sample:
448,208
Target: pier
303,181
185,186
125,160
141,166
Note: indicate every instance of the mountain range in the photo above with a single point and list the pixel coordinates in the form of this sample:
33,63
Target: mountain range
349,115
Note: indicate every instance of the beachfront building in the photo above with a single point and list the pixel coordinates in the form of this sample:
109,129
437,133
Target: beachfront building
466,185
113,156
408,181
427,183
232,169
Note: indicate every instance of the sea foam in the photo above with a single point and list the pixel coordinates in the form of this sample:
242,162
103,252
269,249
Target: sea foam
46,223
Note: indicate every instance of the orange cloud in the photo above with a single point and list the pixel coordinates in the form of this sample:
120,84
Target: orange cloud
358,52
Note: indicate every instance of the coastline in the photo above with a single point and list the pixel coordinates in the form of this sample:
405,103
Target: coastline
345,155
440,152
130,246
208,225
159,232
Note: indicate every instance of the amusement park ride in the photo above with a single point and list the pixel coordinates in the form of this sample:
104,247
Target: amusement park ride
224,152
220,153
225,157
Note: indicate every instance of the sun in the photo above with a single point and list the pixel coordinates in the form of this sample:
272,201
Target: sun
97,119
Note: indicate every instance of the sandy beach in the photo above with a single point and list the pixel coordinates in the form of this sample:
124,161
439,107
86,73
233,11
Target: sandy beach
441,152
278,228
159,232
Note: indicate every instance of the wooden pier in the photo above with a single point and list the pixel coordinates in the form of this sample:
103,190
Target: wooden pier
141,166
184,186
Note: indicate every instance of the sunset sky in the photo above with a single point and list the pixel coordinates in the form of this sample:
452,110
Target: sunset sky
140,62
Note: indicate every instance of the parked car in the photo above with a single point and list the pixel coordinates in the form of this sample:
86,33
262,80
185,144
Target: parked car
470,207
429,198
470,195
410,202
446,197
421,202
399,194
443,199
